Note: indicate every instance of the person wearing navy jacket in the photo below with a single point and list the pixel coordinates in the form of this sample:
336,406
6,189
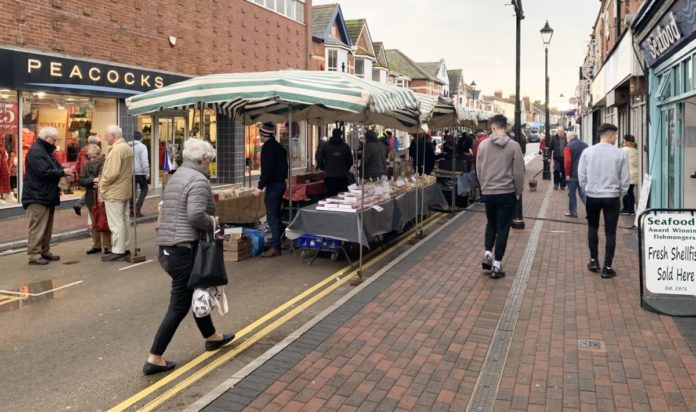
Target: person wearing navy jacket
274,172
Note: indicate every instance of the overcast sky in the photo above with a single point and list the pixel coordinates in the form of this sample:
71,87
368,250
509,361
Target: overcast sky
478,36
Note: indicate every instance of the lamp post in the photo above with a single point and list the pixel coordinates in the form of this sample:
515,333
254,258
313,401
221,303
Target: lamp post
546,35
473,94
518,219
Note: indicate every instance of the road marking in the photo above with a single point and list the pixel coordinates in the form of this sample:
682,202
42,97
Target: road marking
135,265
488,381
10,299
262,333
10,292
251,327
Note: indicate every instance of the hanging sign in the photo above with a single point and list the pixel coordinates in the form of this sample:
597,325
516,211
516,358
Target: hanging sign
674,28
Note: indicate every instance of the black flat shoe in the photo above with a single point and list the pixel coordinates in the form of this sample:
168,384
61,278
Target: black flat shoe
93,250
593,266
151,368
77,210
216,344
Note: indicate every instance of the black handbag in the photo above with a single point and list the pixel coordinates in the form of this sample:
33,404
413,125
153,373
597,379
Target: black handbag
208,265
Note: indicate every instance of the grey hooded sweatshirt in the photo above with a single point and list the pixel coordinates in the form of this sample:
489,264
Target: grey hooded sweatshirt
500,166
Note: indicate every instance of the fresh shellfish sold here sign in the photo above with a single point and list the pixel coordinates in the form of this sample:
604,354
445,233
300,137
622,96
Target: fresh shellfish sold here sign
669,253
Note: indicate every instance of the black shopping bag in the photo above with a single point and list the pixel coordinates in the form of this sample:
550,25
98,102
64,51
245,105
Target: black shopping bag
208,265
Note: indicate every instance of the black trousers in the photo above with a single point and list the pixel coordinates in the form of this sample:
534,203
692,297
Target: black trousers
629,200
610,207
140,183
499,213
559,177
177,261
335,185
274,207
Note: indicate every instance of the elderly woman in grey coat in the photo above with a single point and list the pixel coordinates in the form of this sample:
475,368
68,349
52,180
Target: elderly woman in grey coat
187,214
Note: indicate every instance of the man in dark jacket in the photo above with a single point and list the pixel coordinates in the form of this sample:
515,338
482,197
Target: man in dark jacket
335,159
571,159
422,154
41,195
274,172
558,144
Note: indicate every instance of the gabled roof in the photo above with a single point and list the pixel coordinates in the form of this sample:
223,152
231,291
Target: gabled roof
380,54
400,63
323,18
357,28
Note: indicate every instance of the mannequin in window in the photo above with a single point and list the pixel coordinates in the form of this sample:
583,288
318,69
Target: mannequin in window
6,195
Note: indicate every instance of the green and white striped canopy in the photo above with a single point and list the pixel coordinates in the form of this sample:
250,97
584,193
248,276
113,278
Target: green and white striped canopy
315,96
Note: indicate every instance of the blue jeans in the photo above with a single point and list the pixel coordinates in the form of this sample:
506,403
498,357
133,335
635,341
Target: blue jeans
273,200
573,186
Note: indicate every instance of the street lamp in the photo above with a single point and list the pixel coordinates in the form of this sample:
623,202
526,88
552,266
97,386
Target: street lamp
518,219
546,35
473,93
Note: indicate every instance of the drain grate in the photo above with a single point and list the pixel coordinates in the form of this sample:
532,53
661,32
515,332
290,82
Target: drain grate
486,388
591,345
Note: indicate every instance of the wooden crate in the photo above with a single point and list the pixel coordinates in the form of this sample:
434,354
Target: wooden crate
237,249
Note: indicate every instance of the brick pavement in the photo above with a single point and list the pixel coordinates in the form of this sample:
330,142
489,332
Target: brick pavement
416,339
15,229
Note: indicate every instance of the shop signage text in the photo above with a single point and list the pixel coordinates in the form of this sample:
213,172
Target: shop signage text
663,37
34,71
669,253
676,26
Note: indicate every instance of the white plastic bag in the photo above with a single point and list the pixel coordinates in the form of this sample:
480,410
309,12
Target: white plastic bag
205,299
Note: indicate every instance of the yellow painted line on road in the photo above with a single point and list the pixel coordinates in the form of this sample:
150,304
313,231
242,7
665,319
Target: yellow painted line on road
10,299
251,327
150,406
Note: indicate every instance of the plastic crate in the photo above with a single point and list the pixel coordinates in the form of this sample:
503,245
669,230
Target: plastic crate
322,244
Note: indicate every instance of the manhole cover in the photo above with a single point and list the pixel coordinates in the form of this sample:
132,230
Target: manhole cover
71,262
591,345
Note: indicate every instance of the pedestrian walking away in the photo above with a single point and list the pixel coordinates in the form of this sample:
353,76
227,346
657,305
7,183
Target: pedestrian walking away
142,174
115,189
187,216
603,173
629,199
571,159
500,170
558,144
101,241
41,195
335,159
274,172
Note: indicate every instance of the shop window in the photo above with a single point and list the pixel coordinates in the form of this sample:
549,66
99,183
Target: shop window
210,130
678,80
297,136
75,118
9,131
252,148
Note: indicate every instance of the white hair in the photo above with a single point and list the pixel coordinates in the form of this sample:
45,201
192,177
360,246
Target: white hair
48,131
115,130
196,150
572,135
93,139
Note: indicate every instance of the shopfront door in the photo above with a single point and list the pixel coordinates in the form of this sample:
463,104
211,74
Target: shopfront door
170,131
689,154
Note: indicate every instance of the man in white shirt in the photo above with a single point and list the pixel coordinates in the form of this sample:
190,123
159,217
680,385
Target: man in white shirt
142,173
603,173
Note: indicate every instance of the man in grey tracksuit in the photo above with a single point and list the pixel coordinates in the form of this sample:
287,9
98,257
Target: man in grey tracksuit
500,170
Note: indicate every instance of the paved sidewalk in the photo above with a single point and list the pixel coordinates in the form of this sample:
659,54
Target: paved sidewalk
417,338
65,220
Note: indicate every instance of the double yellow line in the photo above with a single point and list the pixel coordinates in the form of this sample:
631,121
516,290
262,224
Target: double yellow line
188,381
5,299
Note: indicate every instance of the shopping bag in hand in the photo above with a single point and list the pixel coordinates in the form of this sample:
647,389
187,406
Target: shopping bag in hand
99,220
208,265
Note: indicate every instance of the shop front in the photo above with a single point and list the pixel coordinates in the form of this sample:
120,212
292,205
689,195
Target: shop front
79,98
667,41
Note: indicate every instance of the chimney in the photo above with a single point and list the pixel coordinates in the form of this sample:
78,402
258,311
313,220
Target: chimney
512,97
526,99
498,94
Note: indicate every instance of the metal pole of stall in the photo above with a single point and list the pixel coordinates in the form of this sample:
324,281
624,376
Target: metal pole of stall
290,160
361,229
453,207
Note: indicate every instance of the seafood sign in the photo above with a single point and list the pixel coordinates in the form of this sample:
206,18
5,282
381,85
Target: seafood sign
669,253
676,26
